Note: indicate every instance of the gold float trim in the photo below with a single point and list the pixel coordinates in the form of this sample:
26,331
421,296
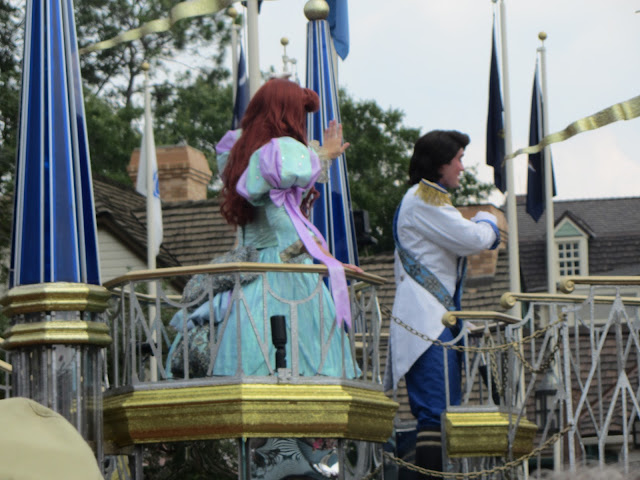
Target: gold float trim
57,332
56,296
247,410
485,434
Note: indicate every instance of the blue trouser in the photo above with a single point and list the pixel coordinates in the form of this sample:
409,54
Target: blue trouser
425,382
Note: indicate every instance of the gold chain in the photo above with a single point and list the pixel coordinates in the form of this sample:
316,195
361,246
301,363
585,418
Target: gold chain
502,468
461,348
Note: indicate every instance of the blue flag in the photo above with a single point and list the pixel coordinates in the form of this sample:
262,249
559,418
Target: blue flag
242,92
339,26
495,123
535,177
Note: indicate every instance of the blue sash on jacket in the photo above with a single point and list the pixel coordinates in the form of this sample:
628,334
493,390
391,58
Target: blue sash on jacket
425,278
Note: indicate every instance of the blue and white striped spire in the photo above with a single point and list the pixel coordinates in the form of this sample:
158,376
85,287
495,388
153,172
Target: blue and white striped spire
332,213
54,235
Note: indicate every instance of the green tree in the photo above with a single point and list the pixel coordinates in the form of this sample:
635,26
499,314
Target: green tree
471,191
378,161
197,111
113,72
378,165
111,138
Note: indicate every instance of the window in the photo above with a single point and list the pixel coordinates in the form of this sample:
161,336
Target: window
569,258
571,249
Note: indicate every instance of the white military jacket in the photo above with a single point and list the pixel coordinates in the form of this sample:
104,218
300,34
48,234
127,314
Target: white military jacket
437,235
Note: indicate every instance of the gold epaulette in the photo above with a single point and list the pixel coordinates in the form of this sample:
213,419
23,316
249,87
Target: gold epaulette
432,193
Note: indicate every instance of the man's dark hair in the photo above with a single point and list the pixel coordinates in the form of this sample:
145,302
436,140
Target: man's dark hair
432,151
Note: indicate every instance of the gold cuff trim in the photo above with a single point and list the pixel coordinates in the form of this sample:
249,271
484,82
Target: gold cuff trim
57,332
247,410
58,296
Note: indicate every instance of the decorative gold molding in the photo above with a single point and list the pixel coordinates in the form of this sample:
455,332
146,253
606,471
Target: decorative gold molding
58,296
316,10
56,332
247,410
485,434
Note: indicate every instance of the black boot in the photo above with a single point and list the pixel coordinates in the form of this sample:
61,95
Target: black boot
429,450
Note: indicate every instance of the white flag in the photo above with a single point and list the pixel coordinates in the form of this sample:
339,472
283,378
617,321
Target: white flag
154,213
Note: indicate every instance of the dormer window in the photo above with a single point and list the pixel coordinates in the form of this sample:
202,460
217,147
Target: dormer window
571,249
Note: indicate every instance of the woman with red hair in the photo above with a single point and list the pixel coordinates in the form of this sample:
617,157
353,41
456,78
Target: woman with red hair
269,172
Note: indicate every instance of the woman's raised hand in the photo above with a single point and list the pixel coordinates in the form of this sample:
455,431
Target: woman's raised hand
333,145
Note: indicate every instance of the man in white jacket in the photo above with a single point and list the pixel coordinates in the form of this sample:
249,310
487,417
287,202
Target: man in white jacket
432,242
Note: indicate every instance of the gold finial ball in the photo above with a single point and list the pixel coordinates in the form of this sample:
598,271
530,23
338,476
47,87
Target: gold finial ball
542,36
316,10
145,66
284,41
232,12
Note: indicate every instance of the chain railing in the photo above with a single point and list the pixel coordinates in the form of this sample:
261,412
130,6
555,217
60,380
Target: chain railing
571,364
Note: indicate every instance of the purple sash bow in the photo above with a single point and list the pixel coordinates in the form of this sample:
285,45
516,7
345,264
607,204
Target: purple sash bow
291,198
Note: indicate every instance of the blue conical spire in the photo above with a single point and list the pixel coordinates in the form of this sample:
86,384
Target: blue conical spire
332,213
54,230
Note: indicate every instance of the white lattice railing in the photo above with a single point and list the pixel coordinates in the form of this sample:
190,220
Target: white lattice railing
146,348
570,365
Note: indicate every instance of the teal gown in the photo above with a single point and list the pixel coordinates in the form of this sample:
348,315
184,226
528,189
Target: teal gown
271,232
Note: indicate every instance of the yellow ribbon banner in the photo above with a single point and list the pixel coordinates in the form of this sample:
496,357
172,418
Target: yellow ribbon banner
181,11
620,111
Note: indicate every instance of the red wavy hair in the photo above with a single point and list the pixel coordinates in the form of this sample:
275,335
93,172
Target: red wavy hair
278,109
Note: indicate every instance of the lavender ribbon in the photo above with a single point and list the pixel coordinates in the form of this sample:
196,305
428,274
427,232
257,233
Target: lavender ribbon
291,198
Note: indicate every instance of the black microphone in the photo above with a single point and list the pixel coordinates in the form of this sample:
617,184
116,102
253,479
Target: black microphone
279,339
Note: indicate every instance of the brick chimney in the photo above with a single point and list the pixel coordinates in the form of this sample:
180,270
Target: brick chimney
484,264
183,171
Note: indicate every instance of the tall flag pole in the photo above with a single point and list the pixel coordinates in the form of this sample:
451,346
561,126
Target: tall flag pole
54,279
241,99
233,14
495,122
147,185
540,182
253,10
147,179
511,206
332,213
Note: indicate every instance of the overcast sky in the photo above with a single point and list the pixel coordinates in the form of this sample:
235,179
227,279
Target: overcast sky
430,59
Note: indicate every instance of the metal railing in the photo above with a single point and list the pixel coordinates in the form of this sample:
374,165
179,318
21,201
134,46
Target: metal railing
5,373
570,365
149,330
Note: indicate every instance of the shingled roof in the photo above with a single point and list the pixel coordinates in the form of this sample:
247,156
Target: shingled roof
613,227
194,231
122,211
